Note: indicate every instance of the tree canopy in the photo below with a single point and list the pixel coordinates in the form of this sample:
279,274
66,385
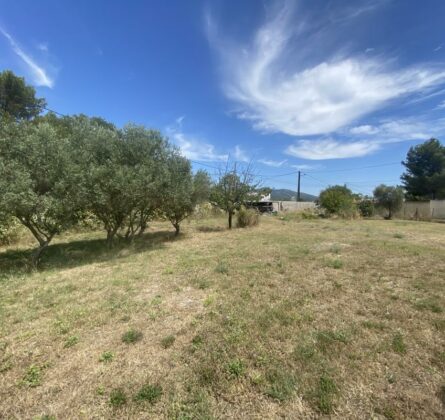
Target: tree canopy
389,198
17,99
424,178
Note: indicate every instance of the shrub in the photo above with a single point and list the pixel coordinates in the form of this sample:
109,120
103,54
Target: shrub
366,208
247,217
168,341
338,200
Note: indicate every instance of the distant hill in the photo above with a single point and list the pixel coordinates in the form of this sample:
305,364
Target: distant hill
289,195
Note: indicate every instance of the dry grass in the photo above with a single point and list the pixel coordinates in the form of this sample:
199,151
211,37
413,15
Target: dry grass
294,318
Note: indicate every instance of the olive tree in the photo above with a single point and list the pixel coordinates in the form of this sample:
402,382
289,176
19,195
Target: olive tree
389,198
178,194
233,188
39,182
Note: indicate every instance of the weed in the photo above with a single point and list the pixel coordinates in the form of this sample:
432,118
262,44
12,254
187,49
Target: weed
118,398
324,393
222,268
33,376
372,325
168,341
100,390
131,336
236,367
106,357
337,263
428,304
304,351
398,344
71,341
281,384
149,393
326,338
398,235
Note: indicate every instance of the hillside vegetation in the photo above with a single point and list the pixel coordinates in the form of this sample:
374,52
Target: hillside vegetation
292,318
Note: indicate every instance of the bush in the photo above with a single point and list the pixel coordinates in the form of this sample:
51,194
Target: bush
338,200
247,217
366,208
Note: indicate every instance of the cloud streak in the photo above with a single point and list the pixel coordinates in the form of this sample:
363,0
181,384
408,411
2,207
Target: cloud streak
39,74
300,98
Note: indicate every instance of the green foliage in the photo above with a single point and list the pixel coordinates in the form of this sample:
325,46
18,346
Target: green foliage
398,343
118,398
17,99
389,198
236,367
71,341
366,207
337,200
324,393
247,217
281,384
168,341
33,376
202,185
106,357
39,182
9,230
131,336
178,199
232,190
425,171
150,393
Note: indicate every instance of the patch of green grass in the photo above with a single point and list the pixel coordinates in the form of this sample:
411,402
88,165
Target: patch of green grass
33,376
324,393
335,249
118,398
336,263
168,341
428,304
222,268
281,384
149,393
372,325
236,367
71,341
131,336
326,338
106,357
398,343
398,235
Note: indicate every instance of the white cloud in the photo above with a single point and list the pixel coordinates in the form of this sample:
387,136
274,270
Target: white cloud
330,149
191,147
277,90
304,167
43,46
441,105
369,50
364,129
438,48
241,155
273,163
39,74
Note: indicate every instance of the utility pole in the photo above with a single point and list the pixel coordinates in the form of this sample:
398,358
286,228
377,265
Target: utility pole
298,189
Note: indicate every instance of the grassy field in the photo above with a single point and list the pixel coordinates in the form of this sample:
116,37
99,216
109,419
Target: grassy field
291,319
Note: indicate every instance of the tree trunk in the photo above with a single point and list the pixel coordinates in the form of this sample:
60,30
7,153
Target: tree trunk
110,236
230,219
177,228
35,257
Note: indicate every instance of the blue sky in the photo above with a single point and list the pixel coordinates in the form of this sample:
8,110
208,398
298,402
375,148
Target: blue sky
339,89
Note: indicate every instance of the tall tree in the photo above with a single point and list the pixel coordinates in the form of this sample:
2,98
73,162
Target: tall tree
202,185
39,182
425,171
17,99
337,199
232,190
389,198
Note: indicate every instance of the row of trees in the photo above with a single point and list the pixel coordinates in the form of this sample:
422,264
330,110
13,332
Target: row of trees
54,172
340,200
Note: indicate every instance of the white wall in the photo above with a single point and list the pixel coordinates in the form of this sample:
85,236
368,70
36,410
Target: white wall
293,205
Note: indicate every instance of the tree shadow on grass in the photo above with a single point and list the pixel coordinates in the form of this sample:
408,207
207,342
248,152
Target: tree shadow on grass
81,252
210,229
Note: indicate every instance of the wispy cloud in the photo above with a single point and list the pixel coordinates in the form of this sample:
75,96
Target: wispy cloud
192,147
273,163
43,46
39,74
240,154
305,167
363,140
438,48
330,149
301,97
